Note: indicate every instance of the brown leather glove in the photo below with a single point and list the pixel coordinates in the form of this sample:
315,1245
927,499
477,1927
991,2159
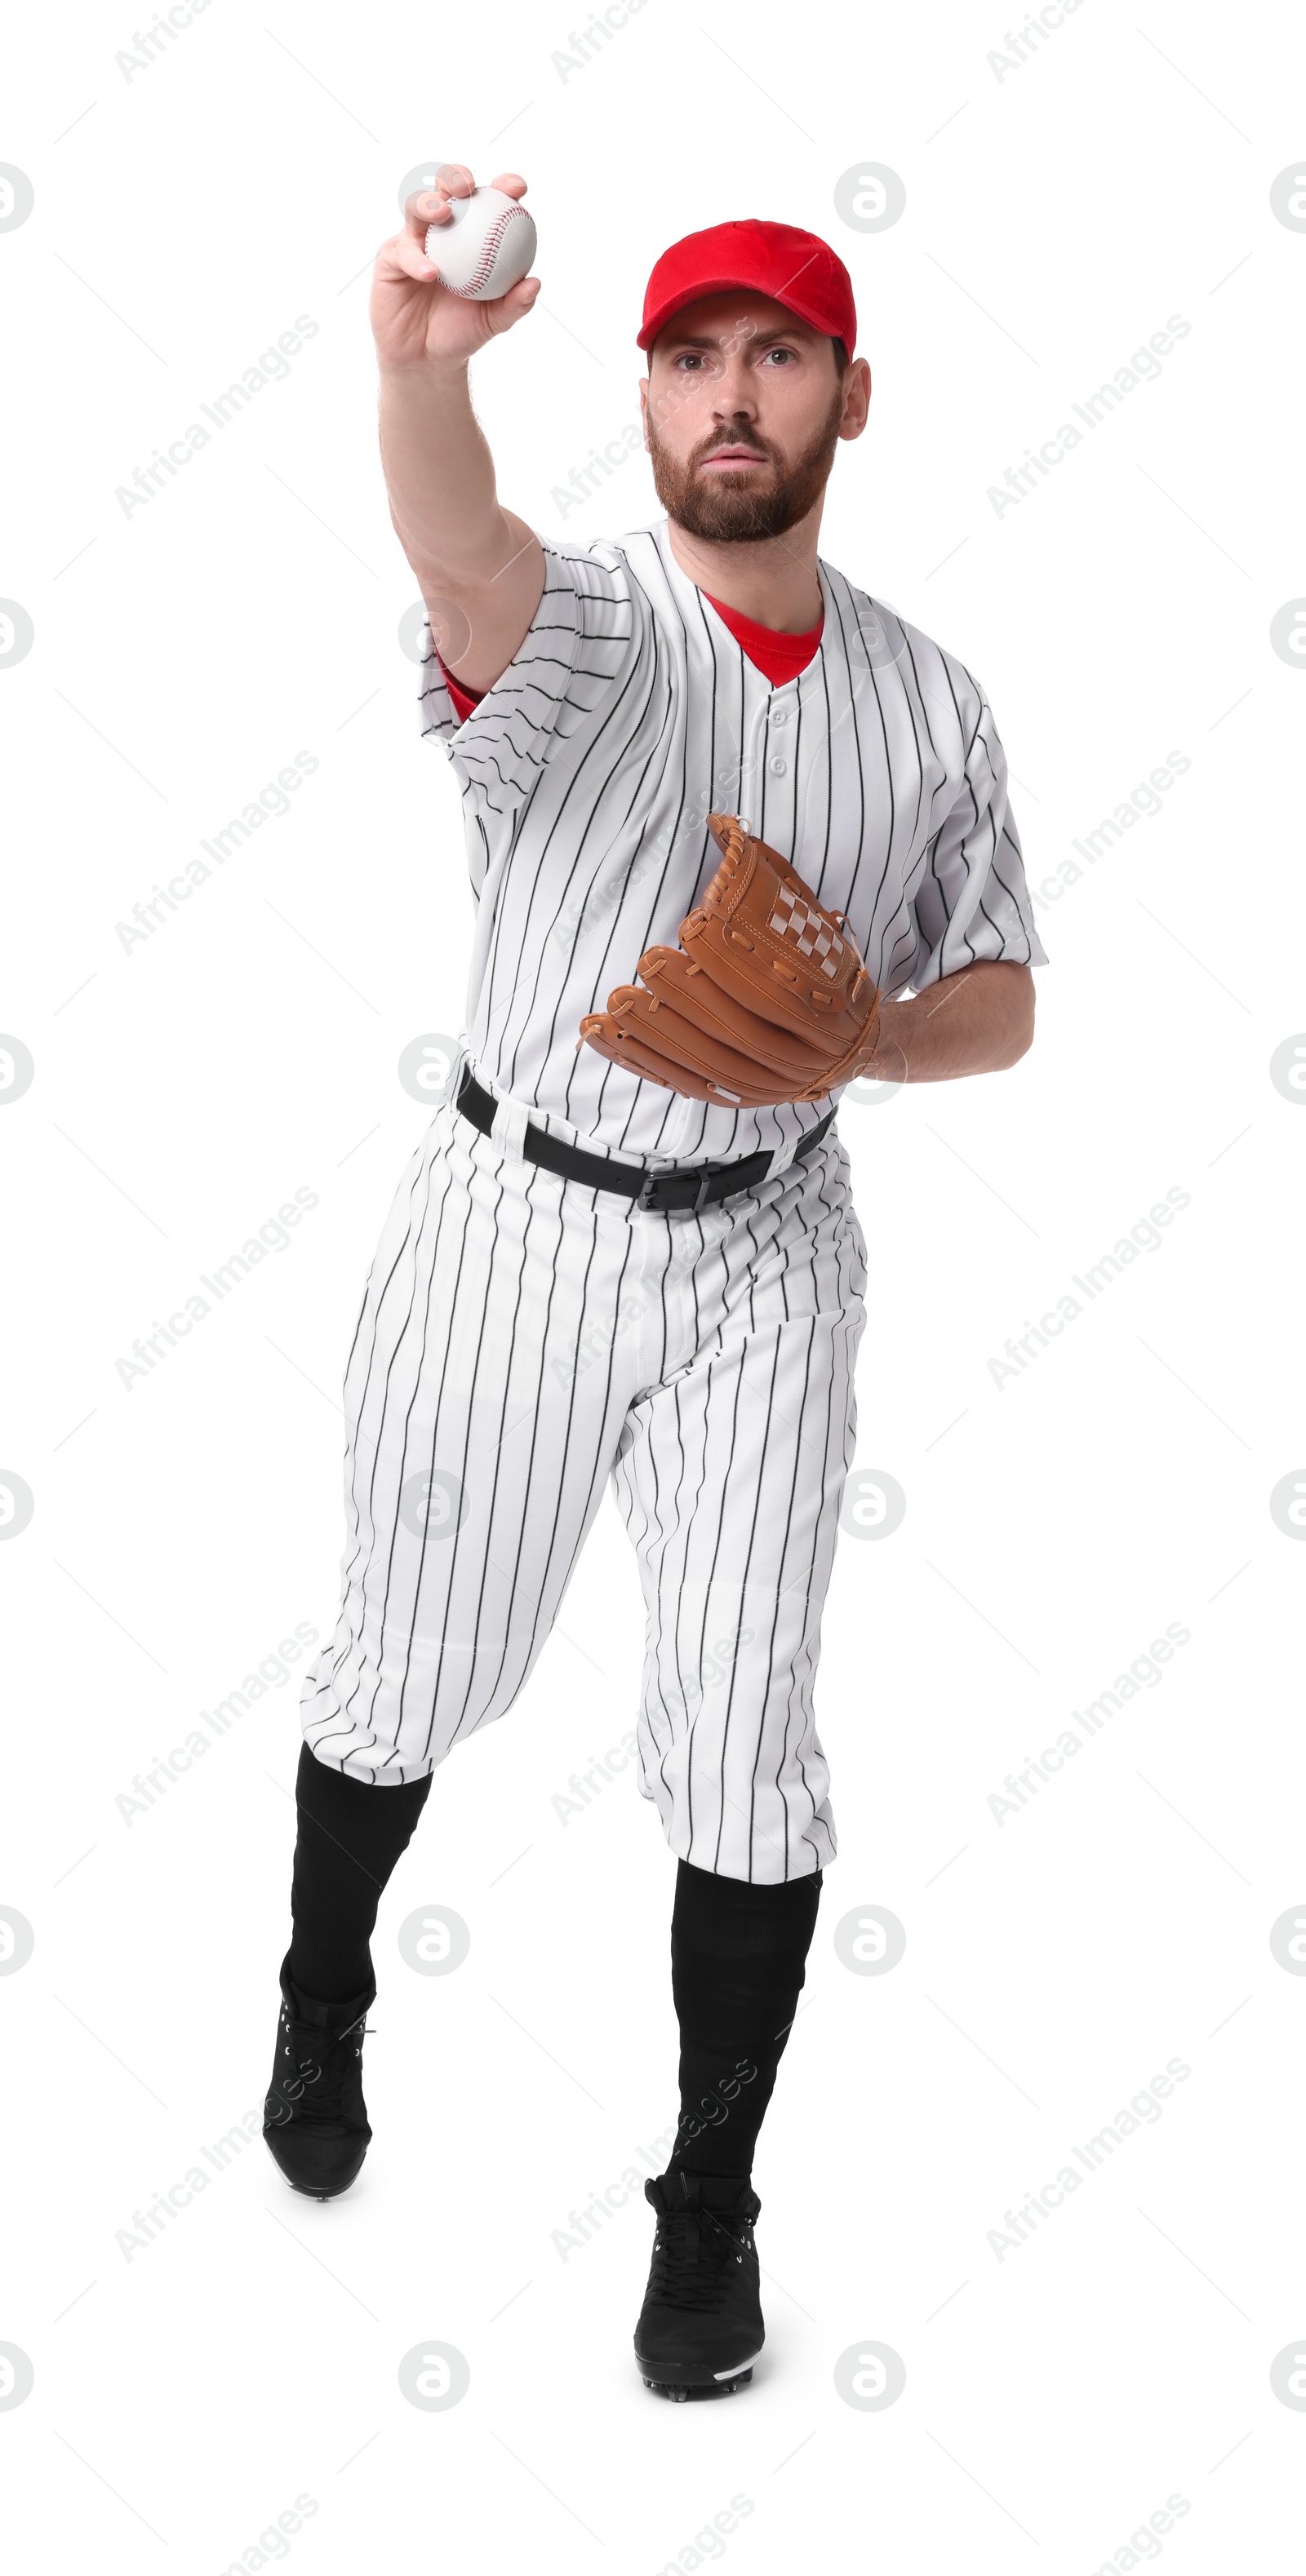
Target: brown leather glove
765,999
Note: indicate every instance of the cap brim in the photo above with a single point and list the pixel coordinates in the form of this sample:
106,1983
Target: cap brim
706,286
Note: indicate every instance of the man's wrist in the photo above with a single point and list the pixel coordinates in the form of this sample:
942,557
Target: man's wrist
424,370
889,1062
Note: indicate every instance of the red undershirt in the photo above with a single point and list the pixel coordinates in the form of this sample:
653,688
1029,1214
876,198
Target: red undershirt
779,657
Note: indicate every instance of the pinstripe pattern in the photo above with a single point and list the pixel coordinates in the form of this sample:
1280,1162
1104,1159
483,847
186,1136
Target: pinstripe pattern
715,1395
523,1340
587,775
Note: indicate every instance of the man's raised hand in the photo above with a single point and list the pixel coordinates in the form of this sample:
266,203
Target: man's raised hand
416,320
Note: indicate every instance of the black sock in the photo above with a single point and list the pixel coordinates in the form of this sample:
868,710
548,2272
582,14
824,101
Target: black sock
350,1836
738,1955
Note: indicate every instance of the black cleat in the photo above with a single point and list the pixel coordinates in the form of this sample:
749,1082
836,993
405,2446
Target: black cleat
700,2329
315,2118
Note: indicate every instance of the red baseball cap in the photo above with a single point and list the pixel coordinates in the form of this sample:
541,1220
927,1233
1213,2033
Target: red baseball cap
797,269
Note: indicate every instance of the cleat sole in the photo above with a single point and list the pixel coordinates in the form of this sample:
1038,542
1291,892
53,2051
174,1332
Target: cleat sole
681,2390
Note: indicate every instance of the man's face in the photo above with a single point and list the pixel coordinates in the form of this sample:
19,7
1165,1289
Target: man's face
743,410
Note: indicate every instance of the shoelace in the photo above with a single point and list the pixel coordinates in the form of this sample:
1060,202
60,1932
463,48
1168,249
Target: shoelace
315,2086
694,2253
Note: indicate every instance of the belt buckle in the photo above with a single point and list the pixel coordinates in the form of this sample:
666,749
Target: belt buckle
690,1207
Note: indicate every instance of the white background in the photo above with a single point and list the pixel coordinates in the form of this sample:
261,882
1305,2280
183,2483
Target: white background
186,2391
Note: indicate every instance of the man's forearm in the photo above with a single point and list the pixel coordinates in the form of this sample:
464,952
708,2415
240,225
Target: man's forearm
979,1020
480,562
439,473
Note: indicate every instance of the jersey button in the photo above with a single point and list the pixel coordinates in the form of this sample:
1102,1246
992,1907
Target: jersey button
777,766
779,715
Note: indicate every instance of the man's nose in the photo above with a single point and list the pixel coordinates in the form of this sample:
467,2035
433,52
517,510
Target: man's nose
735,395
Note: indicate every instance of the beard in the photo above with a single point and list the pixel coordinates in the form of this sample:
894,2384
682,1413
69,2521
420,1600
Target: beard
724,509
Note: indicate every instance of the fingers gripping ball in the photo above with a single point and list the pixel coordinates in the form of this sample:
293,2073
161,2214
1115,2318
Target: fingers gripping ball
486,248
765,999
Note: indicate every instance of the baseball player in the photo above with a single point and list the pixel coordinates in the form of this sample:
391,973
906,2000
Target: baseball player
736,833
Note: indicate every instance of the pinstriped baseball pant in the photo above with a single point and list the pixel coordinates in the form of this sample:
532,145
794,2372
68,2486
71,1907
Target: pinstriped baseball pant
525,1339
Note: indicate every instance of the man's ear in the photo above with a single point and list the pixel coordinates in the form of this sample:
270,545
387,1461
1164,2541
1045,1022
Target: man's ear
859,373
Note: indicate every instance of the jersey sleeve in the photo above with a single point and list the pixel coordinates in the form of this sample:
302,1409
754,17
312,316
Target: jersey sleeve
554,687
971,900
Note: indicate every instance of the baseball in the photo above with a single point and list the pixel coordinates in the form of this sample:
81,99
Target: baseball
489,244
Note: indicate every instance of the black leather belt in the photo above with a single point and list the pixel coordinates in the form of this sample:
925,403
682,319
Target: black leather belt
700,1185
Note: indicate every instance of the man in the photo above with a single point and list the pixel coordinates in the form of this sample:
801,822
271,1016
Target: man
589,1275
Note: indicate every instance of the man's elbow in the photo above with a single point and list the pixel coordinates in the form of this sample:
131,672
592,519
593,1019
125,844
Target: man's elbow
1018,1031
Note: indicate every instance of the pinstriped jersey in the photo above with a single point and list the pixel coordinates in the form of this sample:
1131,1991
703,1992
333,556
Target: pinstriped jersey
587,774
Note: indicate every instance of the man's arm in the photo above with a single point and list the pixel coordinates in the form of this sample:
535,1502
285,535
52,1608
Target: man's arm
979,1020
479,567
